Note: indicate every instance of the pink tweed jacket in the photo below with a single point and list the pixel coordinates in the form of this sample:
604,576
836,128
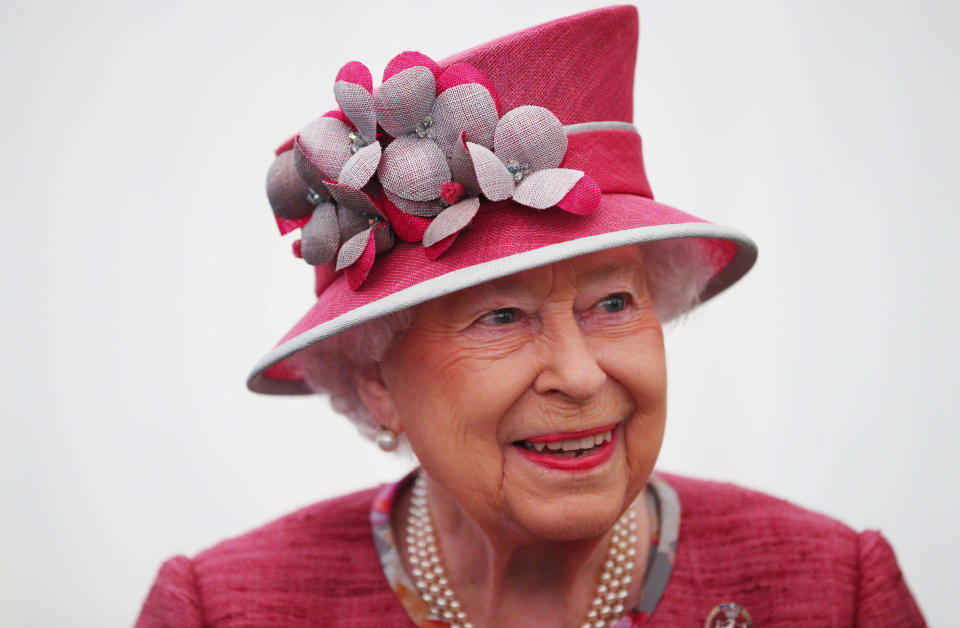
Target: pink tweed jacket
319,567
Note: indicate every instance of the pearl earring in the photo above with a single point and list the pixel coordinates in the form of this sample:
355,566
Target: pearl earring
386,439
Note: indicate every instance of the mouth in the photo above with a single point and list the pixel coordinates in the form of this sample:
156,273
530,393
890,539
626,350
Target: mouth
570,451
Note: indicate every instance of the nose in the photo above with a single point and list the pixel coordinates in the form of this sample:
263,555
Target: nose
569,366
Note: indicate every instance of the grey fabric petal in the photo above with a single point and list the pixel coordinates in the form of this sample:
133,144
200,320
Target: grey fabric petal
324,142
287,192
350,223
468,107
384,239
357,103
494,179
531,135
461,168
414,168
320,237
545,188
352,249
405,99
425,209
451,220
352,199
359,168
311,175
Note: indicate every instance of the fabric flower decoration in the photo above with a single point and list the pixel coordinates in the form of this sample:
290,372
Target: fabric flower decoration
445,145
529,144
352,227
324,146
426,171
336,156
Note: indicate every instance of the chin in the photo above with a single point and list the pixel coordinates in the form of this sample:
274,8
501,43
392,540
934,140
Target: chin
570,518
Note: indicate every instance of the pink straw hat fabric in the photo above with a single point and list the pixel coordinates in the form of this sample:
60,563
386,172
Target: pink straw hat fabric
595,194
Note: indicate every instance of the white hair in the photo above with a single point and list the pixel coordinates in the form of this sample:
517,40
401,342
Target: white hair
677,271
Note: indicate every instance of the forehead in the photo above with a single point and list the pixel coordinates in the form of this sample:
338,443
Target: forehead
624,264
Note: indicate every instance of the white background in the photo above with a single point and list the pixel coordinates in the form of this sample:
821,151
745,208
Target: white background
142,274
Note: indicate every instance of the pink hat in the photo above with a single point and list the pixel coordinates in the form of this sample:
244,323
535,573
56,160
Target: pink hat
512,155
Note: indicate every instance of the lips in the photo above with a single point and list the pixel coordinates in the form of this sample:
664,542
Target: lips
570,451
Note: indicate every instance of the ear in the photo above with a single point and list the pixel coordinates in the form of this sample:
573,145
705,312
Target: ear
376,397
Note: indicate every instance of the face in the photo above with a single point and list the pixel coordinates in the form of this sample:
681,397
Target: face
488,381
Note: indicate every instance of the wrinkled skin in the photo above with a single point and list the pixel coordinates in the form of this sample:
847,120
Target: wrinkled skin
565,347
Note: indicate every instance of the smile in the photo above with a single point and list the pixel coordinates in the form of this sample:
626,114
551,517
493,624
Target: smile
571,451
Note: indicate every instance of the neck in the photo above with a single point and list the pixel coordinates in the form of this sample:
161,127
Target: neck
504,576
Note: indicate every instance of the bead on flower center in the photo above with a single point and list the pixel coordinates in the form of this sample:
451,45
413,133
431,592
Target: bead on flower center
313,198
356,141
517,169
424,128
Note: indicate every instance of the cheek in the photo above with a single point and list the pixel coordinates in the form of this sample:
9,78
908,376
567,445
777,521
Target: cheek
639,367
638,364
452,411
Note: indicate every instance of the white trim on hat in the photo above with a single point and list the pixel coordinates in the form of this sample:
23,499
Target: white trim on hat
459,279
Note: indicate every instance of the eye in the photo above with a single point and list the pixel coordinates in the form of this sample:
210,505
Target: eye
614,302
503,316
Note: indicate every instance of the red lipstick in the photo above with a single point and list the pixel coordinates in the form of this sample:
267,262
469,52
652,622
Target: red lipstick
552,438
597,456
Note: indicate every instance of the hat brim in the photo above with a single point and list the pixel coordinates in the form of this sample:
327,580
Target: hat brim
506,239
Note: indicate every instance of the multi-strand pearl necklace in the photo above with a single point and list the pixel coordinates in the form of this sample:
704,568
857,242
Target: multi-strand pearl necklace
435,590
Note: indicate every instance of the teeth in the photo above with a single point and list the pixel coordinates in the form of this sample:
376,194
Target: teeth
570,446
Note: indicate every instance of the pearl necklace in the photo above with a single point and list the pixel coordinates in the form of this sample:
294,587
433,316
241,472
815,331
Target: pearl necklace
435,590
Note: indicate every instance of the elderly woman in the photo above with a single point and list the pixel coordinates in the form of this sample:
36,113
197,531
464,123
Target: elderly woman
492,274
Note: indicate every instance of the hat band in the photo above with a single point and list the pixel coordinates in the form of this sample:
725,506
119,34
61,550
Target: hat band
610,152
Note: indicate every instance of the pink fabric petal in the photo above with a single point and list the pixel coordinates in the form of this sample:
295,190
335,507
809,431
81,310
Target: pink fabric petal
545,188
324,143
530,135
451,220
426,209
413,168
583,198
338,114
438,249
356,271
409,59
357,102
359,168
461,167
289,196
356,72
286,226
408,227
321,235
494,179
460,73
352,199
288,145
404,100
464,108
